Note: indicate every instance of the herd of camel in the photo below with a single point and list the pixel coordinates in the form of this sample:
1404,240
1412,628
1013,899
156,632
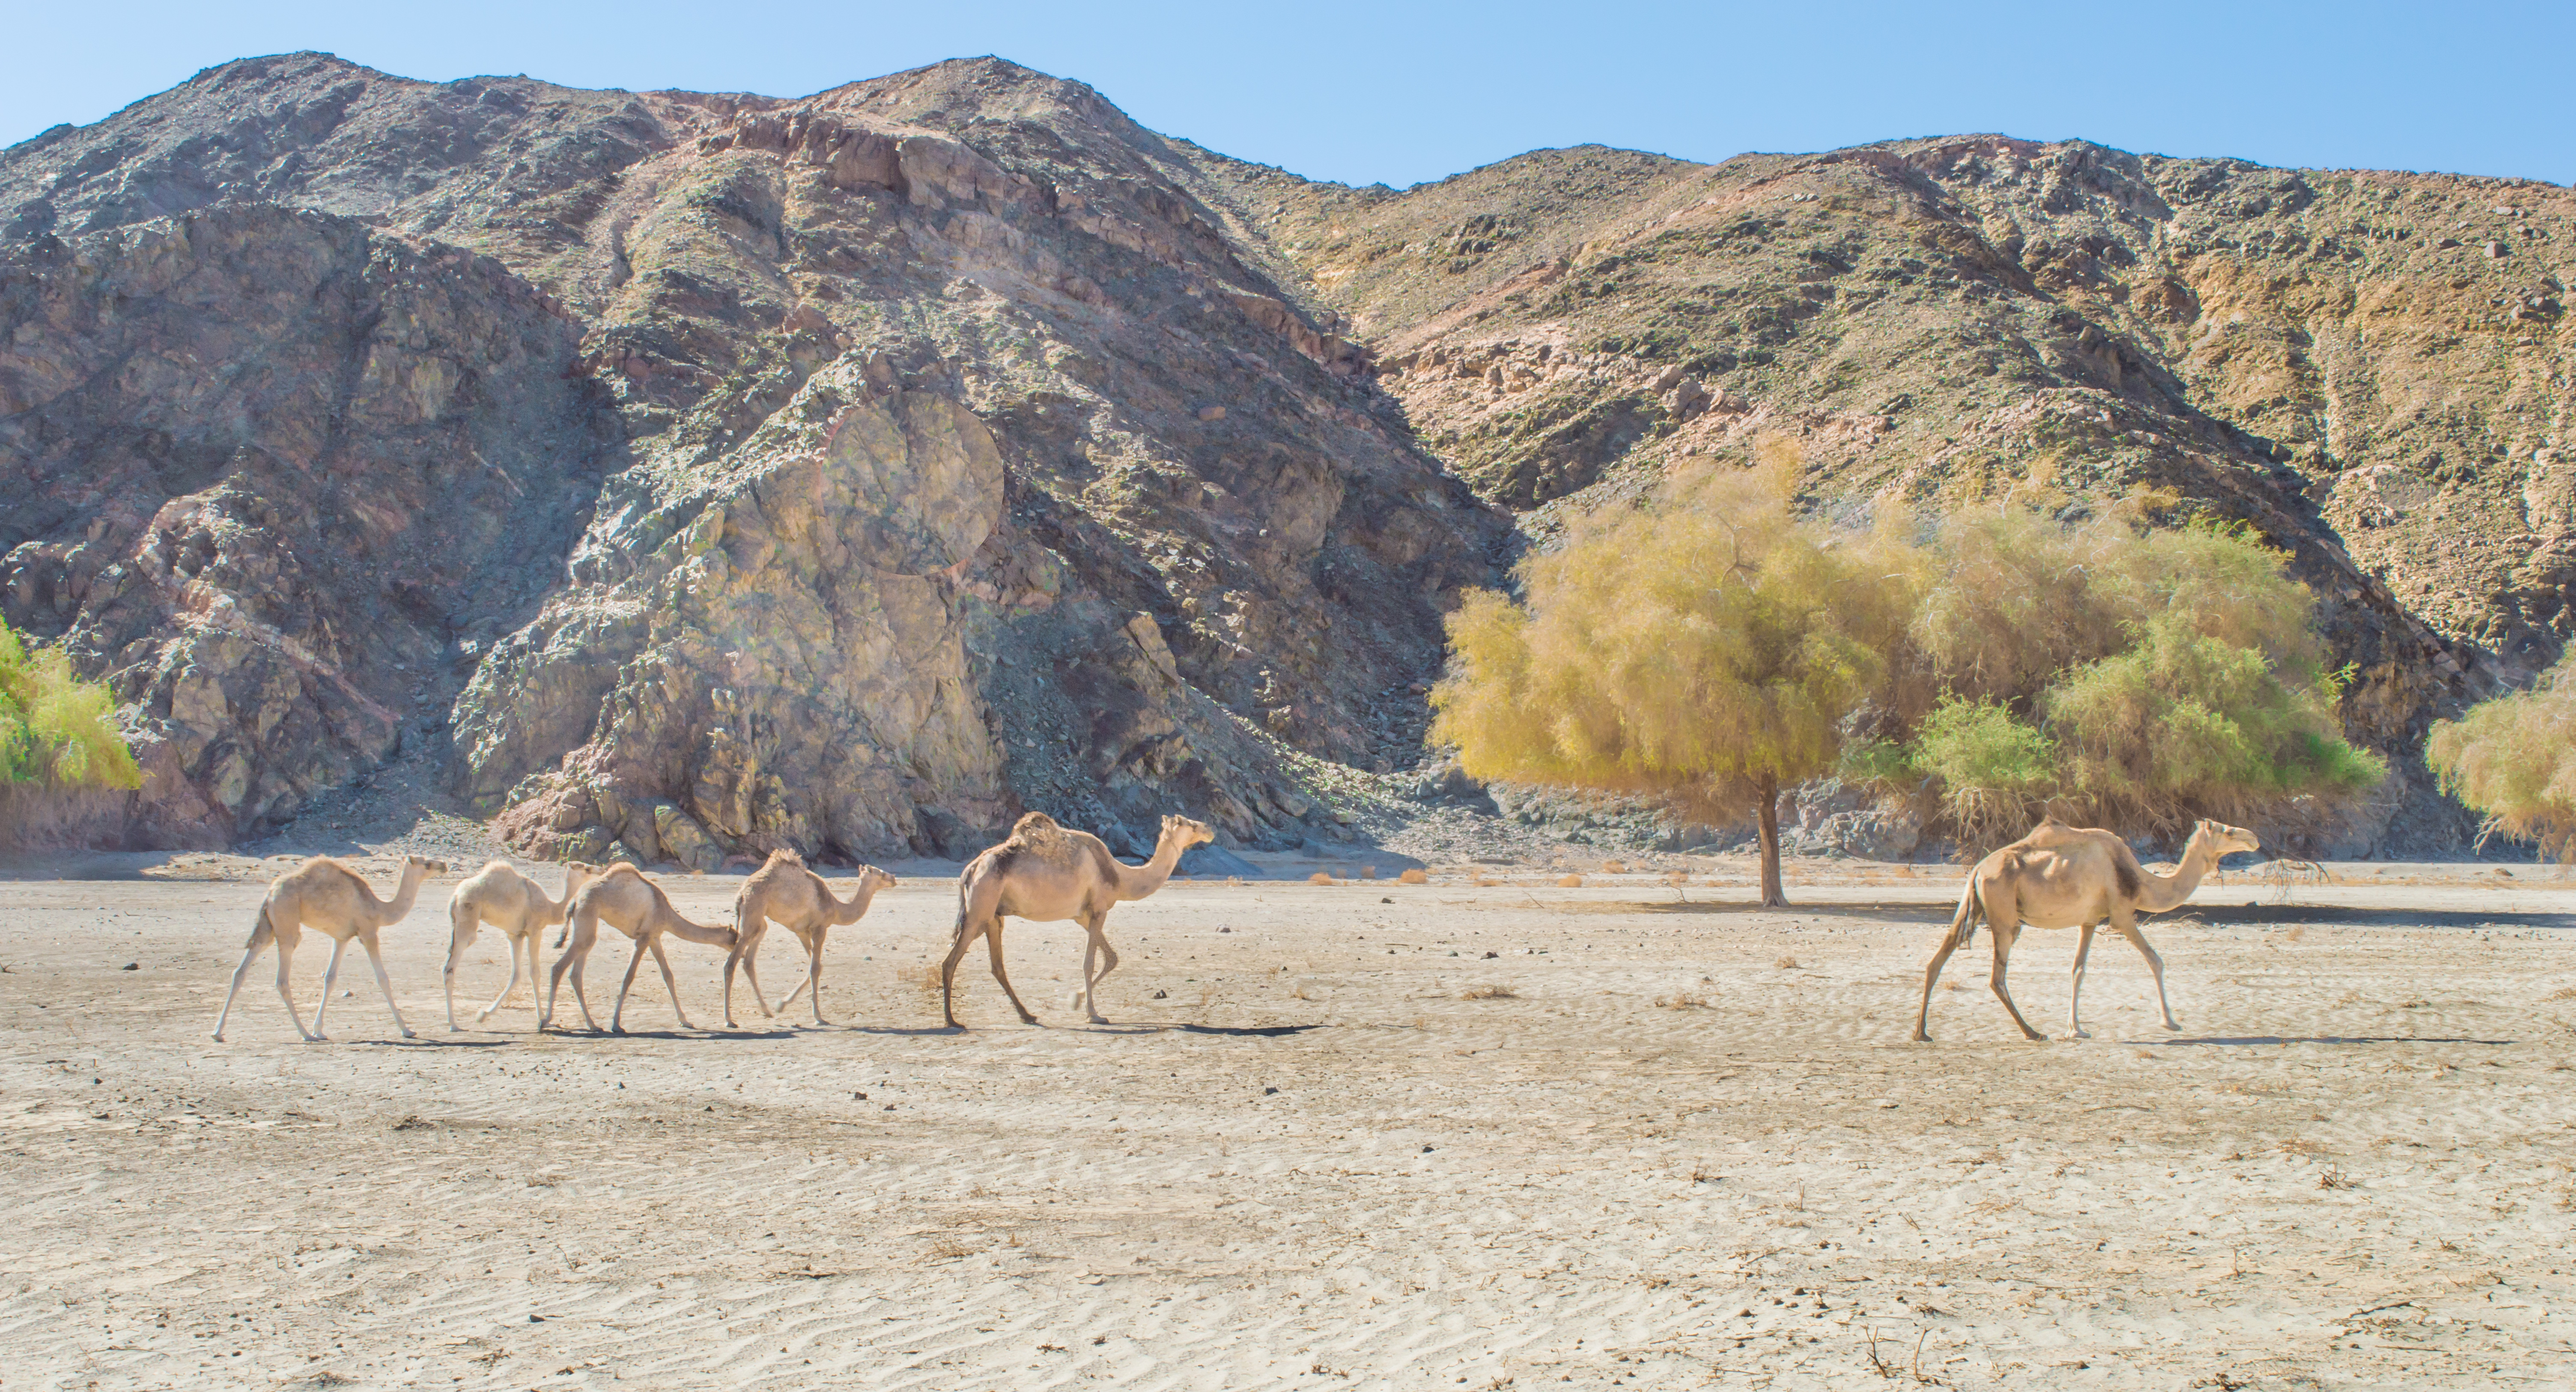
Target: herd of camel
2058,876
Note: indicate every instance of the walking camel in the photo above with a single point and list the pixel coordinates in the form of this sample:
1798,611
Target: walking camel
2070,877
511,902
637,907
783,891
326,895
1050,874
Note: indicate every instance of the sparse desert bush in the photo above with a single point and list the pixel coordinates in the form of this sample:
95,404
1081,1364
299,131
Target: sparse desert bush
55,729
1413,877
1614,867
2514,759
1787,963
1319,877
1495,991
1682,1001
1569,882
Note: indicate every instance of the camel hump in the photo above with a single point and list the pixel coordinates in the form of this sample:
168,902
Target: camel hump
1036,826
786,855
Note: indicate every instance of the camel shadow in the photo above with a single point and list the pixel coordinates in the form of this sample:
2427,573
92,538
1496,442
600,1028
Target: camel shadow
670,1034
1142,1027
2326,914
430,1042
2318,1039
1877,913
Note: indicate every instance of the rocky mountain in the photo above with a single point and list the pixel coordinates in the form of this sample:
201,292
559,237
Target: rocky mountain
687,474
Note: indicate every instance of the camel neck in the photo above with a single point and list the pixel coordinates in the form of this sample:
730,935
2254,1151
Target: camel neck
1137,881
2169,891
407,894
851,910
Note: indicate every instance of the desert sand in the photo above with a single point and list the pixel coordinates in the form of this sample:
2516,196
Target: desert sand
1361,1135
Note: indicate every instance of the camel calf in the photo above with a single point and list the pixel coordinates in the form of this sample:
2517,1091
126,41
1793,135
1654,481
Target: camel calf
511,902
2069,877
637,907
326,895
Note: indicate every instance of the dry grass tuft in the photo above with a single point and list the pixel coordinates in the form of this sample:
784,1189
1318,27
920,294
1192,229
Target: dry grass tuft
1413,877
2335,1178
1683,1001
2563,993
1319,877
1569,882
1614,867
1495,991
1787,963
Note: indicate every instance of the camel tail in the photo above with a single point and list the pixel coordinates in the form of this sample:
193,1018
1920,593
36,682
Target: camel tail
1972,906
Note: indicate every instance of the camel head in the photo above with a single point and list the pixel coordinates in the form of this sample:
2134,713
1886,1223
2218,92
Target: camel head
872,879
2225,840
413,864
1186,832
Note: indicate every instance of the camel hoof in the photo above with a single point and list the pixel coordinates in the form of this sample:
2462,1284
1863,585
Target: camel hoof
219,1039
2077,1034
1921,1038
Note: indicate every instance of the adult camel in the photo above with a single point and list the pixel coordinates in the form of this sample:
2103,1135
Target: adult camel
1050,874
637,907
511,902
2074,877
324,894
784,891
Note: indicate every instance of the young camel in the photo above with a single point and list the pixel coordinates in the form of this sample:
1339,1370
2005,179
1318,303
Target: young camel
637,907
1049,874
2069,877
784,891
511,902
326,895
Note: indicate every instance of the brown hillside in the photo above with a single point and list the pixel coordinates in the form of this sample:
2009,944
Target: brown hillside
712,473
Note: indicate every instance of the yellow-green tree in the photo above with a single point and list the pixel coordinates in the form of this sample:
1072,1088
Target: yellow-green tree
2122,675
54,729
2514,759
1705,649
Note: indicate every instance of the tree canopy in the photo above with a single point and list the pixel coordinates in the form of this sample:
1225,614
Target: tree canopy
1705,649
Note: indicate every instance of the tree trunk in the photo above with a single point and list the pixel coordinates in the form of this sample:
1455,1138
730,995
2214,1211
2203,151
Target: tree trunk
1769,795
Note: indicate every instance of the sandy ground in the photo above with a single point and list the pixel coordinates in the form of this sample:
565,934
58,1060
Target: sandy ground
1362,1135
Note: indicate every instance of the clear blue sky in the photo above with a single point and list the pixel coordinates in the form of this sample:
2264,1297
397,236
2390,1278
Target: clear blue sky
1403,93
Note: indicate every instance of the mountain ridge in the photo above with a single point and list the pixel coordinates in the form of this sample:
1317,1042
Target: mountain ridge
1240,436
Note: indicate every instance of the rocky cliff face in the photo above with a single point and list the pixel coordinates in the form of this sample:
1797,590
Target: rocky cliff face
2369,367
909,454
694,475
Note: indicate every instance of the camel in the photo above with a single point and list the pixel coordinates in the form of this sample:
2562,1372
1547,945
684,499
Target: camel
784,891
638,908
2070,877
511,902
324,894
1050,874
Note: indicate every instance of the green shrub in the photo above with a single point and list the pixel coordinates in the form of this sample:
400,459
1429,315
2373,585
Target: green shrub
2514,760
54,728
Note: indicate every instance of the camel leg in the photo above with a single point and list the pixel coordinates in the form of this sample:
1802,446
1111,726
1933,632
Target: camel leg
376,959
2075,993
2004,932
617,1013
668,984
260,936
748,931
1109,963
993,940
463,923
2155,964
966,935
814,981
534,972
530,938
1931,975
330,977
574,957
